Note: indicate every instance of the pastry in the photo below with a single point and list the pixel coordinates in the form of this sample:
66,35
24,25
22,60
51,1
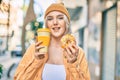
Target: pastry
66,40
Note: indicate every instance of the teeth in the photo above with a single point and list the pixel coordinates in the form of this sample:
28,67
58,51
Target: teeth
56,28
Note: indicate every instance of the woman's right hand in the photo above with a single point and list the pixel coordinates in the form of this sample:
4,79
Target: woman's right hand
38,46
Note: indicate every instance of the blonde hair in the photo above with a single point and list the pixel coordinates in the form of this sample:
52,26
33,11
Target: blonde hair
67,25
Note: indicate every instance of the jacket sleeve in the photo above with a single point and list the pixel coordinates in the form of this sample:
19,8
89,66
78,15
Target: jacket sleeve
80,67
83,66
27,65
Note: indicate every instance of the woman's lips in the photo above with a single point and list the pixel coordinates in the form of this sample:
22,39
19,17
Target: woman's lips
56,28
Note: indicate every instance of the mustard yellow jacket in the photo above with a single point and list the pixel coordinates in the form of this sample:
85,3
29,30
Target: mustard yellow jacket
31,68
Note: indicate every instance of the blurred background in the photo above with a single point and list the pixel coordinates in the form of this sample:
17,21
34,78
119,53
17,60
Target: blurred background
94,23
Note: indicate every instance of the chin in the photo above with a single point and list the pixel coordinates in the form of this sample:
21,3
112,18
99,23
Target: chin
58,35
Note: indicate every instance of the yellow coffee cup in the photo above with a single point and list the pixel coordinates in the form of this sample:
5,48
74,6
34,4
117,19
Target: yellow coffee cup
44,36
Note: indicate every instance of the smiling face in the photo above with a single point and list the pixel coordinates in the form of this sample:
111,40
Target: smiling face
56,23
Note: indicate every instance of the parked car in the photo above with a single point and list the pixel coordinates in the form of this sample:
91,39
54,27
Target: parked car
17,51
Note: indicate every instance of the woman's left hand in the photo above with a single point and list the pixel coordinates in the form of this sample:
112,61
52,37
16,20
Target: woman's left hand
71,52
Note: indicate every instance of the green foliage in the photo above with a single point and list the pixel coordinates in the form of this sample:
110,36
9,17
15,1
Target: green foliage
35,25
1,70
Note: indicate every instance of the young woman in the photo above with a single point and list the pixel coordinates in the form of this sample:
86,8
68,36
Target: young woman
59,63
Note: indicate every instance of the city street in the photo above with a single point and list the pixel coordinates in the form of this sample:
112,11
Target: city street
95,25
7,61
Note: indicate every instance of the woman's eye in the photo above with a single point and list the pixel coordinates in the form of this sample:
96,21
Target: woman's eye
49,19
60,18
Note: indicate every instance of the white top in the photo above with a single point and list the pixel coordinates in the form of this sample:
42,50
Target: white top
53,72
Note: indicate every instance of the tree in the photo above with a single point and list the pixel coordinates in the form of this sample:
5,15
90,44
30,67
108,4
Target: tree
30,15
0,1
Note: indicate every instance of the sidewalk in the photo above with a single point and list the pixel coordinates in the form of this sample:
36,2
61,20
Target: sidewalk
6,60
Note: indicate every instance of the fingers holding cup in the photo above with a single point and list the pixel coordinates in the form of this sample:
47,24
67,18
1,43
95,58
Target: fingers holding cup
42,42
38,46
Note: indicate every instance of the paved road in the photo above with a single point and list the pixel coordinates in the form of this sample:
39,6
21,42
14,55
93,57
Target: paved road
6,60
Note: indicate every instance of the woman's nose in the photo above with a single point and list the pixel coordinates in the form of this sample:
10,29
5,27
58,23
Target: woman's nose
55,21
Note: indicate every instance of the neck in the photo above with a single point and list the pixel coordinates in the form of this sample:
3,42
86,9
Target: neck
55,42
